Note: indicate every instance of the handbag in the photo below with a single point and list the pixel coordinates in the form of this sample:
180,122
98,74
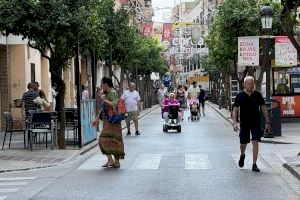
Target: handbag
119,114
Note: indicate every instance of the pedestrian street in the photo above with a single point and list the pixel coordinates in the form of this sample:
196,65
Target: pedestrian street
198,163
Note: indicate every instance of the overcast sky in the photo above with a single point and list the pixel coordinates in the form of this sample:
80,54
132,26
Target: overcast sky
159,4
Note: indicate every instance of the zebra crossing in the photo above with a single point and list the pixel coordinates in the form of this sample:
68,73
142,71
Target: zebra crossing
10,185
192,161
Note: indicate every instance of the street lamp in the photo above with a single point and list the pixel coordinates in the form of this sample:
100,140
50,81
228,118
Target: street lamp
266,21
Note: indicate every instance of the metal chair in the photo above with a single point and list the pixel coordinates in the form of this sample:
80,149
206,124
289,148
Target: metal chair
72,124
10,127
40,123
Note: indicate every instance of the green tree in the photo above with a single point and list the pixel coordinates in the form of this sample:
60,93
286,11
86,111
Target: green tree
54,26
290,21
235,18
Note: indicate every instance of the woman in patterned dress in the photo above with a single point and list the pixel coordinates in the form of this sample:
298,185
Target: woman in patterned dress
110,140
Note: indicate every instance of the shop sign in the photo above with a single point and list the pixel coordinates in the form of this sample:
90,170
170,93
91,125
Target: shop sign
248,51
289,105
285,52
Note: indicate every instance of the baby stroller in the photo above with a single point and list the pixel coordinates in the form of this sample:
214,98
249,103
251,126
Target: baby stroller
194,110
173,123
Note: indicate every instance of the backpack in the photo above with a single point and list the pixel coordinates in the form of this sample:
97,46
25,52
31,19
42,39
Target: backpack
119,114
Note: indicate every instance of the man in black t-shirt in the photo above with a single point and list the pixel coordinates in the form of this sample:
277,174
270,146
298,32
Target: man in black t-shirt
250,102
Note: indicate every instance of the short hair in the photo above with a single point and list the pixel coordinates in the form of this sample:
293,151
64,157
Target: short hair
194,82
108,81
29,86
248,78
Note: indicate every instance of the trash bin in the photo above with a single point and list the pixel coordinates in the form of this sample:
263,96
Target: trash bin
275,118
275,115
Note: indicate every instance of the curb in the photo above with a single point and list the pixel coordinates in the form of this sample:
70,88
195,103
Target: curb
292,170
220,113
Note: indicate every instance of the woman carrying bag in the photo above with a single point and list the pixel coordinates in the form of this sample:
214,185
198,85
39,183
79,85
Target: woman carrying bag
110,140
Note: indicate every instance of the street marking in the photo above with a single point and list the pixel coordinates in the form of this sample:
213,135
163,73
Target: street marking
147,161
12,183
93,163
8,190
197,161
3,197
248,161
17,178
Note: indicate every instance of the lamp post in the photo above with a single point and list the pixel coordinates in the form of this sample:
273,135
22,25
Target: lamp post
266,21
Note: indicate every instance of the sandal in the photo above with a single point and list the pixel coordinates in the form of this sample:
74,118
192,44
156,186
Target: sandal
108,165
115,166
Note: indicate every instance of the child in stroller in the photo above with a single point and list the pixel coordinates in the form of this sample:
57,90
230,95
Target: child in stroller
171,114
194,110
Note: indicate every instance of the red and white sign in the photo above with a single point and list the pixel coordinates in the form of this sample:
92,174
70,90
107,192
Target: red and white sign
289,105
147,28
167,33
285,52
248,51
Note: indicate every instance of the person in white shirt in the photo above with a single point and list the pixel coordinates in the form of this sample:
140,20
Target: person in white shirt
54,94
161,93
133,106
85,93
194,91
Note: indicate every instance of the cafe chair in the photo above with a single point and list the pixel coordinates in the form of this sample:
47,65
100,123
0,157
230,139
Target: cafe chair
11,127
72,125
41,123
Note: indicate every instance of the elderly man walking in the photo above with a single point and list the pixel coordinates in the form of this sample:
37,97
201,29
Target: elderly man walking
133,106
250,102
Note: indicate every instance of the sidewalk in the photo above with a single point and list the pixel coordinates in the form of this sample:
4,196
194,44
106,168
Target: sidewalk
290,135
17,158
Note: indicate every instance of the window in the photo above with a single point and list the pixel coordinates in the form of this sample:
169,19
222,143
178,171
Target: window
287,80
32,70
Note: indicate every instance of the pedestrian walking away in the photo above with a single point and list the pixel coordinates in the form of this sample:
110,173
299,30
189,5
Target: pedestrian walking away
110,140
182,99
250,103
202,95
133,106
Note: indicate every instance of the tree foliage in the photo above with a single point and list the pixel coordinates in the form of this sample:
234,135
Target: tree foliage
235,18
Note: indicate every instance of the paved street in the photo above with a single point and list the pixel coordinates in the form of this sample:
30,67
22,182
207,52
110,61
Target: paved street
199,163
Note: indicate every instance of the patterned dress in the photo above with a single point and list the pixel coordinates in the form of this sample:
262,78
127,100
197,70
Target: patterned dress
111,140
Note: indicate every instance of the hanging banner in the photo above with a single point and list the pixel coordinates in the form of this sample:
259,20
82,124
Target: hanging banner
147,28
167,33
124,2
285,52
195,34
248,51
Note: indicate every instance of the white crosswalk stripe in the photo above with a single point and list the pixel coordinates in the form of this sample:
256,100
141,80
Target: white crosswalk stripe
3,197
12,185
93,163
197,161
147,161
192,161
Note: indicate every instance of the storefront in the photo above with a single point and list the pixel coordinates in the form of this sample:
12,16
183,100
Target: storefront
286,90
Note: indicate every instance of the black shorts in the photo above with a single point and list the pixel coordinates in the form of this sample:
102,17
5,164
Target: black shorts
202,103
256,134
